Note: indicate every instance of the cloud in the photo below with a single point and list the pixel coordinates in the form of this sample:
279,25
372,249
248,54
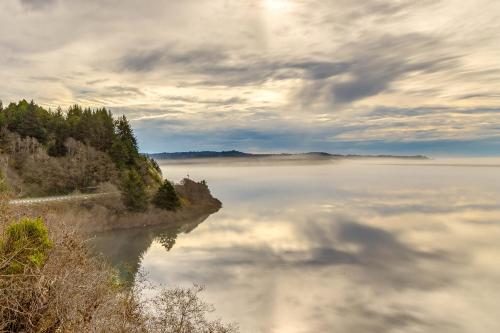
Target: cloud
37,4
149,60
165,134
374,65
321,69
365,68
123,90
480,95
194,99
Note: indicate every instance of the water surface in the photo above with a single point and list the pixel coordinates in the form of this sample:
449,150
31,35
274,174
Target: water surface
356,246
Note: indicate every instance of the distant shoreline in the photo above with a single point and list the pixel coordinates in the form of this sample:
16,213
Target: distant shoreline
234,155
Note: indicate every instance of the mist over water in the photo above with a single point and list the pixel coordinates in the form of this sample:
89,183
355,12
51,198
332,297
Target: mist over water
349,246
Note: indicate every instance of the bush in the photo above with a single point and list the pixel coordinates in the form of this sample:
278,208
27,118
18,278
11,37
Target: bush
25,243
35,299
166,197
74,292
182,310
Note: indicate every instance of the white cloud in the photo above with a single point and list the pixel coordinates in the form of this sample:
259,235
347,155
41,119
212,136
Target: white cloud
307,63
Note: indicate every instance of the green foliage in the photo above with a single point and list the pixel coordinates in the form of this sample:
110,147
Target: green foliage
27,119
23,244
59,129
166,197
124,147
134,195
57,132
95,128
154,165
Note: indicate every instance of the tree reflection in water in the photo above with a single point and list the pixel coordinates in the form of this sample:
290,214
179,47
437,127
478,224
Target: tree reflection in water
167,238
124,249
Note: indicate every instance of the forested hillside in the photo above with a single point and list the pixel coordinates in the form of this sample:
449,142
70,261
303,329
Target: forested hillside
45,152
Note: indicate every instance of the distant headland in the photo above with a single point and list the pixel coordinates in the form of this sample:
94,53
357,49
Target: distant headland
235,154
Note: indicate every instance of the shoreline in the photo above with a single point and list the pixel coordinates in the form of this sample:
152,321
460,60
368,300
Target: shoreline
277,160
108,213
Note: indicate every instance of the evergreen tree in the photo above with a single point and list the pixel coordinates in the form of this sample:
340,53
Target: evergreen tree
125,133
59,129
73,119
134,192
124,149
28,120
103,130
166,197
61,133
118,153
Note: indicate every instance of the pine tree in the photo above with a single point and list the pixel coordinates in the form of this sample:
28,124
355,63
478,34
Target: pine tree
166,197
134,192
124,150
59,132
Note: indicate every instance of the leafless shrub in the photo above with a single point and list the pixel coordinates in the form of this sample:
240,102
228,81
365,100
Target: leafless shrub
180,310
72,292
31,170
75,292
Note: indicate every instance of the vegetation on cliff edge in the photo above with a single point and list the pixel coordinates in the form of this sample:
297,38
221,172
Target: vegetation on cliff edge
166,197
45,152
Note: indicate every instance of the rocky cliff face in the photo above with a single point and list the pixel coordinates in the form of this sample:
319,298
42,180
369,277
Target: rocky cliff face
197,193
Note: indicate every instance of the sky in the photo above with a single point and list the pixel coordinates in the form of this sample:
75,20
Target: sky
341,76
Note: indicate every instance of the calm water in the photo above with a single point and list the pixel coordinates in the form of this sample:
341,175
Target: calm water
365,246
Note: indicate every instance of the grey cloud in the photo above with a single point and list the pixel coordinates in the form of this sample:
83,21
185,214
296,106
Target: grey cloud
380,112
230,101
142,61
376,64
46,78
345,14
98,95
153,59
37,4
219,68
92,82
197,100
384,10
480,95
124,91
320,57
158,135
318,70
365,68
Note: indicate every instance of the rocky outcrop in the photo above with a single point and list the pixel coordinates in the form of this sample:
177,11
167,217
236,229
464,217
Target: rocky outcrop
108,213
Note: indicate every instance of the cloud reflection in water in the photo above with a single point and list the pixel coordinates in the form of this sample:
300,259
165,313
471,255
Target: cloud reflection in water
349,247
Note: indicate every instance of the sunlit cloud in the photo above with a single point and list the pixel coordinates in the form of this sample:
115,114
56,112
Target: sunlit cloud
325,68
